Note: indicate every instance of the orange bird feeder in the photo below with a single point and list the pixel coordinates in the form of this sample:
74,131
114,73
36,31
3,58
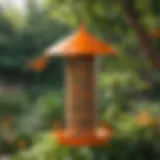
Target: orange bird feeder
80,50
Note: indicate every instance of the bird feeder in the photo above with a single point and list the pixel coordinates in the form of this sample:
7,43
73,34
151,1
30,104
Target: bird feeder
80,50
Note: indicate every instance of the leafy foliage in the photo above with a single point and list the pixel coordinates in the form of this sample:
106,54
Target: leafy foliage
130,141
20,43
47,111
48,148
127,83
14,105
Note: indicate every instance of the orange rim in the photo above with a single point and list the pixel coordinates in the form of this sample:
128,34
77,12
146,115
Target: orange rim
95,138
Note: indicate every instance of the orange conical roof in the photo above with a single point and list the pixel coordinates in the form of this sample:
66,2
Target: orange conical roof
77,44
80,43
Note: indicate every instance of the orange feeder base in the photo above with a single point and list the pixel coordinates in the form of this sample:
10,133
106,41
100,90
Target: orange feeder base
96,138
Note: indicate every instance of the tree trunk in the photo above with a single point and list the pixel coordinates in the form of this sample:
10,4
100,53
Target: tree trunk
132,16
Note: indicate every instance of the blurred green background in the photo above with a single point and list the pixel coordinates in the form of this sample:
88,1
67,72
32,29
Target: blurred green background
31,103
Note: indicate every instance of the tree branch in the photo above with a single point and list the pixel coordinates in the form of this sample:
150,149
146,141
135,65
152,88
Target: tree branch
145,39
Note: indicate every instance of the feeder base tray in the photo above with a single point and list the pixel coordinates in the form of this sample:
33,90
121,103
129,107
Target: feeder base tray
95,138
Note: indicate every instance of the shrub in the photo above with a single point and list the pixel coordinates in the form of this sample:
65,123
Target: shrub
48,110
14,105
13,102
130,141
47,148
